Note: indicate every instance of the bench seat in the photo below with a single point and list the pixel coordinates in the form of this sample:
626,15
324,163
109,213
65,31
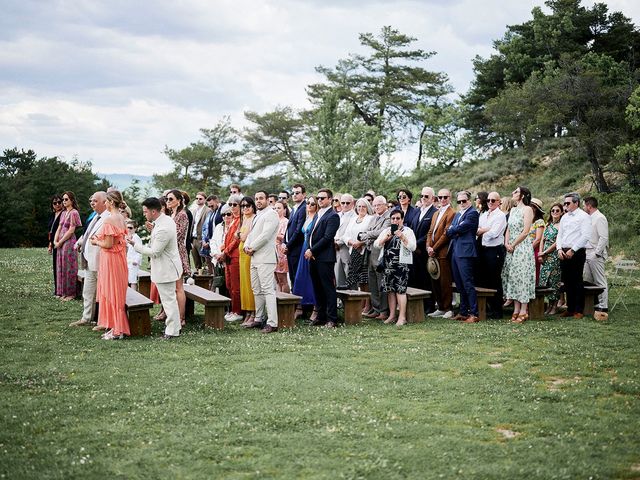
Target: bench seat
138,307
415,304
214,305
287,309
352,301
482,294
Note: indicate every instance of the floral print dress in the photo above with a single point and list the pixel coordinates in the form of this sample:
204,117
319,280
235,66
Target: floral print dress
67,257
519,271
550,270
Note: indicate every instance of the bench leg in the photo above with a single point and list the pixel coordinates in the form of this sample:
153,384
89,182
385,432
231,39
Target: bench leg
139,323
144,286
536,308
415,310
214,317
482,308
352,311
286,315
189,308
589,304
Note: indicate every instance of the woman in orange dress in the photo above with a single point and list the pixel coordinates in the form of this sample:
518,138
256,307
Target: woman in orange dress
113,273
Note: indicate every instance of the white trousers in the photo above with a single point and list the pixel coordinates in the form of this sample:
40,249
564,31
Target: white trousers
594,273
264,292
89,295
167,293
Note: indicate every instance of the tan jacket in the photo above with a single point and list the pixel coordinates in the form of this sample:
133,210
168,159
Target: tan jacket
438,239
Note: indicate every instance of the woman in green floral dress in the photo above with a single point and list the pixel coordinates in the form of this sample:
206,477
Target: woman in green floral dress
548,258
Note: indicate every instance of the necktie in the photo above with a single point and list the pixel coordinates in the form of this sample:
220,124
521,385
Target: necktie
90,231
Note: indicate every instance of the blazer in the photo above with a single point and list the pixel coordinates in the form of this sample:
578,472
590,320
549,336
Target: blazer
376,225
437,237
323,237
421,228
463,234
166,265
262,236
91,253
203,215
295,237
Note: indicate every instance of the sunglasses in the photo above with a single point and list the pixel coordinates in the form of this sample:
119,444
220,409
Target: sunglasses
460,202
57,202
425,196
322,198
129,228
282,198
556,210
232,204
492,200
567,203
170,199
311,204
244,205
66,200
396,218
297,193
199,198
226,214
345,203
442,197
401,197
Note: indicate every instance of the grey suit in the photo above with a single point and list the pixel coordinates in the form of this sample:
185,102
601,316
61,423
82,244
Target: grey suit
342,250
378,299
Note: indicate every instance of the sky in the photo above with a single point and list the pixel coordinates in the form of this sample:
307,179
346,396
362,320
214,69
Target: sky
114,82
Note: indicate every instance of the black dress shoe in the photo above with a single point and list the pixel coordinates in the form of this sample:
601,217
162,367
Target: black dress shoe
269,329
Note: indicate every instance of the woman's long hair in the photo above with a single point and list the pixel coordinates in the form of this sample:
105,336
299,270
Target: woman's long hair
550,218
178,195
72,197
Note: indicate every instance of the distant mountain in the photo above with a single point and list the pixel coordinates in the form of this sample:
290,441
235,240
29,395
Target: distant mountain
122,180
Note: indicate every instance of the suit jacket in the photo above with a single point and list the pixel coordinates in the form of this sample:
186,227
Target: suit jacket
295,237
203,215
463,233
218,218
166,265
91,253
437,236
410,216
377,224
322,238
343,251
421,228
262,236
599,241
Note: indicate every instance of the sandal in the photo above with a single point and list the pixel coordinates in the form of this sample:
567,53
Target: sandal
523,317
401,322
390,320
514,317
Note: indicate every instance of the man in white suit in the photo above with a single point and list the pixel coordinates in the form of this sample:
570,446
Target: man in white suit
91,254
342,250
166,267
260,246
596,256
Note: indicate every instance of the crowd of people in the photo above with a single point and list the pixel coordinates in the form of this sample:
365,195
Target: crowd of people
313,244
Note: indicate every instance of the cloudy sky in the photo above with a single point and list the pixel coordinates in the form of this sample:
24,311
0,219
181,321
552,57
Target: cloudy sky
113,82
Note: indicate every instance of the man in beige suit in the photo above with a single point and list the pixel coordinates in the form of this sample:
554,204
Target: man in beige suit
91,255
596,256
438,248
347,212
260,245
166,267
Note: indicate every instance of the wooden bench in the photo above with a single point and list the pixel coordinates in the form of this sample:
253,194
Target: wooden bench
415,304
202,280
352,301
591,293
138,307
482,295
287,309
536,306
144,283
214,305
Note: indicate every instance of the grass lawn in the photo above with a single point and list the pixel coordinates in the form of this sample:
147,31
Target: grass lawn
547,399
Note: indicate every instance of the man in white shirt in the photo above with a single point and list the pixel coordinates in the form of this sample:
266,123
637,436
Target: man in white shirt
491,229
261,247
342,250
574,233
596,255
199,212
91,254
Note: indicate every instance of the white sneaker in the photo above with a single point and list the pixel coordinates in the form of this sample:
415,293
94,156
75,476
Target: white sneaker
227,315
437,313
449,314
234,317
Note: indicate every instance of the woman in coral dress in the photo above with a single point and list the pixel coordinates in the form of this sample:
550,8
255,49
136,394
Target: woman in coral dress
113,273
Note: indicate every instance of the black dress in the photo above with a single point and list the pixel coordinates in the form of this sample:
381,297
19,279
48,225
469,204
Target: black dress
54,222
396,274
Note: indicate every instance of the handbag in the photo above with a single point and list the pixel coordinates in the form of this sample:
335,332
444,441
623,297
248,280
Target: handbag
218,276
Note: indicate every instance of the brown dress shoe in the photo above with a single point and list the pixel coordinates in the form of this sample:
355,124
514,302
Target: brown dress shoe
269,329
472,319
460,317
578,315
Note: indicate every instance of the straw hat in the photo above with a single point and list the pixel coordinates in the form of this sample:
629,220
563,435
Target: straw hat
433,267
537,203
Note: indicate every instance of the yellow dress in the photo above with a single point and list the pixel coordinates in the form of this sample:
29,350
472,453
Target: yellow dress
247,302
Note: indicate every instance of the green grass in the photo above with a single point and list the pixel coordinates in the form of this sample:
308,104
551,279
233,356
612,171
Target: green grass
368,401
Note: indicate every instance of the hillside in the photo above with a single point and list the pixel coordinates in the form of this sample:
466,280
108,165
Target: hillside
550,172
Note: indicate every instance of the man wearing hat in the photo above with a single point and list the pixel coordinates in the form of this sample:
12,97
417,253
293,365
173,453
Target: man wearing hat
491,227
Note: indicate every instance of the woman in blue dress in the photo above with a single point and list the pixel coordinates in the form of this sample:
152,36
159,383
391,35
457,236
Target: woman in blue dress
303,285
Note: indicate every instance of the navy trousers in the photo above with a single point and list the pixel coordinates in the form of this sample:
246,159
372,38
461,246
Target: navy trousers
462,269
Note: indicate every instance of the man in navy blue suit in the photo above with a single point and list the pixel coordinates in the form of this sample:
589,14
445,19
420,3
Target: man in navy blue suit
462,249
418,275
322,258
294,237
